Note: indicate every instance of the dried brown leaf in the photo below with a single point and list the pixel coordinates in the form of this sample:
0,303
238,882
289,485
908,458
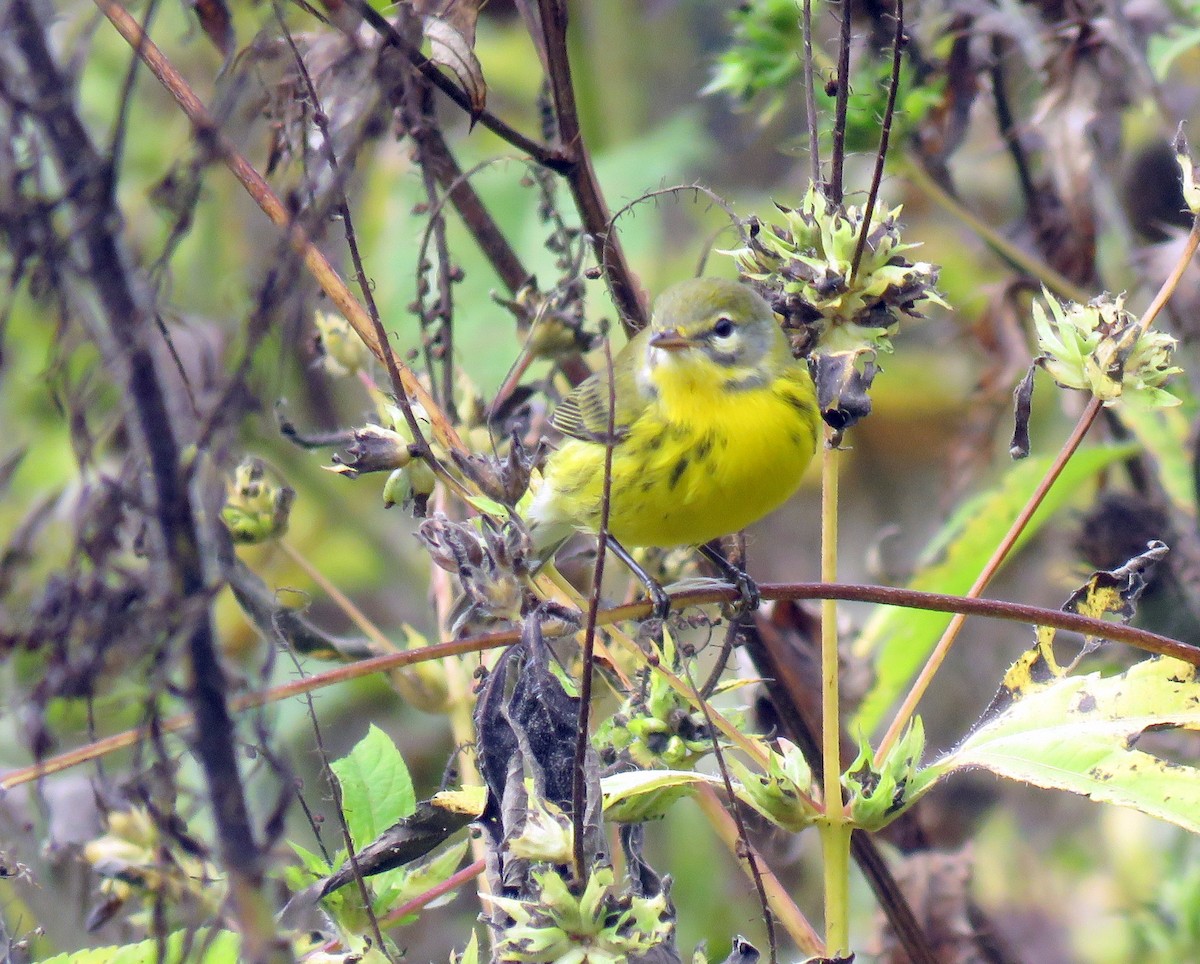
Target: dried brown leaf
217,24
450,27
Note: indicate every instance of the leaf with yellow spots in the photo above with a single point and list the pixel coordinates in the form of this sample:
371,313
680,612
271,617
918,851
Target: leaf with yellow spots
1081,733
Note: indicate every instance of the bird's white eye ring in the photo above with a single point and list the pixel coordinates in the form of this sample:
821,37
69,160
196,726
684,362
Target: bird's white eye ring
723,328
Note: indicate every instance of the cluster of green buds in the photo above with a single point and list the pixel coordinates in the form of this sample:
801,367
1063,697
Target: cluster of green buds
656,727
784,793
600,926
133,860
1100,348
388,446
257,505
880,790
806,268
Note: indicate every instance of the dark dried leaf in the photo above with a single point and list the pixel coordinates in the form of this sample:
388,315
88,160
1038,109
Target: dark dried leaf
1018,448
216,23
843,380
450,27
410,839
742,952
1116,591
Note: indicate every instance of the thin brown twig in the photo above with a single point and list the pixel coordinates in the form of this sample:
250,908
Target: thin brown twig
583,737
834,189
1142,639
791,689
747,852
581,175
810,98
177,528
788,914
1008,129
885,133
208,133
336,791
937,656
365,287
429,70
470,207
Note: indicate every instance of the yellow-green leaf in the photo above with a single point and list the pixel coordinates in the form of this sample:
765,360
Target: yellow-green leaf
897,641
1079,733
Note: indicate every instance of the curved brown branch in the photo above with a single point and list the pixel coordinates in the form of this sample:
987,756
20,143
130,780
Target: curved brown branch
581,175
429,70
883,595
209,134
122,332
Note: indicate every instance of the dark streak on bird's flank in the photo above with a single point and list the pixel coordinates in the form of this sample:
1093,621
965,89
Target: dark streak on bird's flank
704,449
678,470
800,404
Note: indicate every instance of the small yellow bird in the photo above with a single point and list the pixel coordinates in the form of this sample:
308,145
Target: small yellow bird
713,426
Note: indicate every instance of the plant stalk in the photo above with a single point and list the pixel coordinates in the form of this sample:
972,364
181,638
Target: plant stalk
835,831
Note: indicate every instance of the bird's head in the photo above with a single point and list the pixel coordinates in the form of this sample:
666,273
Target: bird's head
715,330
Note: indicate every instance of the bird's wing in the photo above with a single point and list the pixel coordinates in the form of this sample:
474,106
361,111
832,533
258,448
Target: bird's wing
583,414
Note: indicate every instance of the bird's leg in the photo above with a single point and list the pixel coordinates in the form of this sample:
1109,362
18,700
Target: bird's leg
662,602
749,596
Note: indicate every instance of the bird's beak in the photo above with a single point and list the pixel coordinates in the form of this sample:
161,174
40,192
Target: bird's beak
670,340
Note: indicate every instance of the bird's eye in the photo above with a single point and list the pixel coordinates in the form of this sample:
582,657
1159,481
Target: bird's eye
723,328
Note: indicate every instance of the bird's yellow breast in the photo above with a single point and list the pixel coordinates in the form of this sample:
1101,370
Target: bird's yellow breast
704,458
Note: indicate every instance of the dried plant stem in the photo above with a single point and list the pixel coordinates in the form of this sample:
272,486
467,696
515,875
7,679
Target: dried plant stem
580,173
340,599
837,165
792,919
934,662
429,70
208,133
743,848
583,738
458,675
810,100
885,133
834,827
882,595
780,902
177,532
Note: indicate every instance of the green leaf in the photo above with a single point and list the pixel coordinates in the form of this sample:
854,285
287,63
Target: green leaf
1163,50
897,641
376,788
639,795
220,949
470,955
1078,733
314,863
1164,434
